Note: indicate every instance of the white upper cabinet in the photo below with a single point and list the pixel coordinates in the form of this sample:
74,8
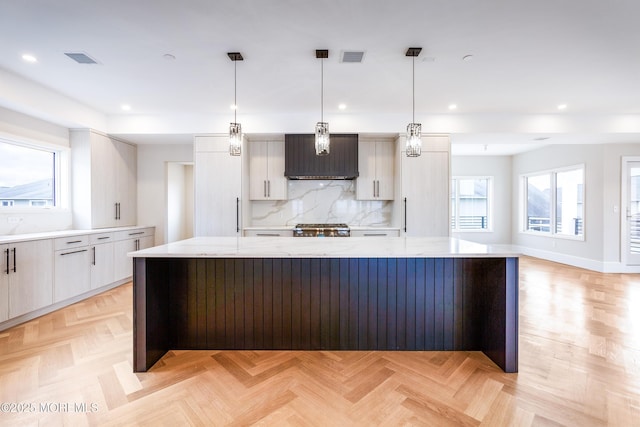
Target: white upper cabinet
376,169
104,173
425,181
266,171
218,187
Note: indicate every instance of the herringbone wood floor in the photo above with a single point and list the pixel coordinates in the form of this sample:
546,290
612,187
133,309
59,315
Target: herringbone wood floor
579,366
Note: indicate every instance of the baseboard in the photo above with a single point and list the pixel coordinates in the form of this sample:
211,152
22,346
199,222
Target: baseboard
53,307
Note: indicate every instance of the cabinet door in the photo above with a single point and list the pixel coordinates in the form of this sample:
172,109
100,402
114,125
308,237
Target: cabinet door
217,194
366,181
123,264
425,187
103,189
258,170
4,283
72,275
385,170
125,174
31,285
102,267
276,181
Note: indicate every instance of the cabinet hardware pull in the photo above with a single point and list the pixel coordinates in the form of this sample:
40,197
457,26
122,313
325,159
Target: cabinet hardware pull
405,214
94,255
264,188
268,188
73,241
136,233
137,244
102,238
14,260
74,252
7,252
115,205
119,211
374,188
374,234
268,234
237,214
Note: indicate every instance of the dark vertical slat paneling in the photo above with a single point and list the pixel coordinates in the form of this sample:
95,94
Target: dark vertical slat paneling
314,324
220,312
286,303
458,299
334,312
240,286
345,304
382,325
363,304
420,280
392,304
352,340
229,305
277,304
305,303
296,311
244,302
200,296
179,292
439,303
325,303
258,306
372,304
267,302
448,320
401,304
429,300
411,304
205,269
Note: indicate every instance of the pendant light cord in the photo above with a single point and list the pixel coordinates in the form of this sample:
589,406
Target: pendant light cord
235,94
413,88
322,90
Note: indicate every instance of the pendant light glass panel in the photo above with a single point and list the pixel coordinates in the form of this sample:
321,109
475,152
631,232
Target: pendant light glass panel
235,139
322,138
414,142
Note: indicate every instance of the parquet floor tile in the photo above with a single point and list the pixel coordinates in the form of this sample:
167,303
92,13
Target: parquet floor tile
579,354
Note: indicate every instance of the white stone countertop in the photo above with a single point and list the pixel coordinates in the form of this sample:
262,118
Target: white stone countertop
326,247
15,238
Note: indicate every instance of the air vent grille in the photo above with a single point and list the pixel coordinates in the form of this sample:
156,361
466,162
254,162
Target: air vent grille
352,56
81,58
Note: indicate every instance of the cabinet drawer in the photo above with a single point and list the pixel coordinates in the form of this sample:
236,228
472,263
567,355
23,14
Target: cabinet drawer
375,233
71,242
133,233
96,239
269,233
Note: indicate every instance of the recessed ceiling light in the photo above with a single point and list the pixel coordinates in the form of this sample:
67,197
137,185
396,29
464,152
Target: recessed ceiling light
467,58
452,106
562,107
29,58
168,57
342,106
126,107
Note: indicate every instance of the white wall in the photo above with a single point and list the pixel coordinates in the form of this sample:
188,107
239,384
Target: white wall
179,201
21,128
152,184
498,167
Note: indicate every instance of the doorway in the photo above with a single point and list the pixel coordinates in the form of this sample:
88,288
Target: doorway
630,218
179,201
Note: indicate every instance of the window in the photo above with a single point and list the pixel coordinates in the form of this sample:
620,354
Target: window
27,176
470,203
554,202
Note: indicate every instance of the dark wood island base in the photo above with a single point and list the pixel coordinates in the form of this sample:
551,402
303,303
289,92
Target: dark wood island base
468,304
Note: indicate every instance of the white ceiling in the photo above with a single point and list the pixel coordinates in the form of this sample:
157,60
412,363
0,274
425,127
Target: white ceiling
528,57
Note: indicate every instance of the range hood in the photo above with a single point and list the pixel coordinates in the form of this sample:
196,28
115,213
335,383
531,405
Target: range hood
301,162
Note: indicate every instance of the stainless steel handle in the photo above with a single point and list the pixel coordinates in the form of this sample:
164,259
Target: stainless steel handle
73,241
136,233
103,238
115,205
375,234
268,234
237,214
137,243
74,252
264,188
7,252
405,214
374,188
14,260
94,256
268,188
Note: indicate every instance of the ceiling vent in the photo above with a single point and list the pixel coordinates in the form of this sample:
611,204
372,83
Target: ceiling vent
81,58
352,56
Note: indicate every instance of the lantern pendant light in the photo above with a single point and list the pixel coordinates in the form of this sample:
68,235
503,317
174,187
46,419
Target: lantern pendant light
235,128
414,130
322,127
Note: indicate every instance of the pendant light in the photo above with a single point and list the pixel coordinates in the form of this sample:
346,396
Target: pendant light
235,128
414,130
322,127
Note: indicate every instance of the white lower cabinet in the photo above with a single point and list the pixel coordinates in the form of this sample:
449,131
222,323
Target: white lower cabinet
102,251
29,275
129,241
72,275
4,284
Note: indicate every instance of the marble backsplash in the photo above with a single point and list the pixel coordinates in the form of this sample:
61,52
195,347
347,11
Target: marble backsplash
321,201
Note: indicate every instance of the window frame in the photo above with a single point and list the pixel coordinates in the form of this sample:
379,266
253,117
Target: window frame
455,181
61,175
524,196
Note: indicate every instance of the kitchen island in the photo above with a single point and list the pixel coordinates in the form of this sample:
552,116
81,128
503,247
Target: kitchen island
309,293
